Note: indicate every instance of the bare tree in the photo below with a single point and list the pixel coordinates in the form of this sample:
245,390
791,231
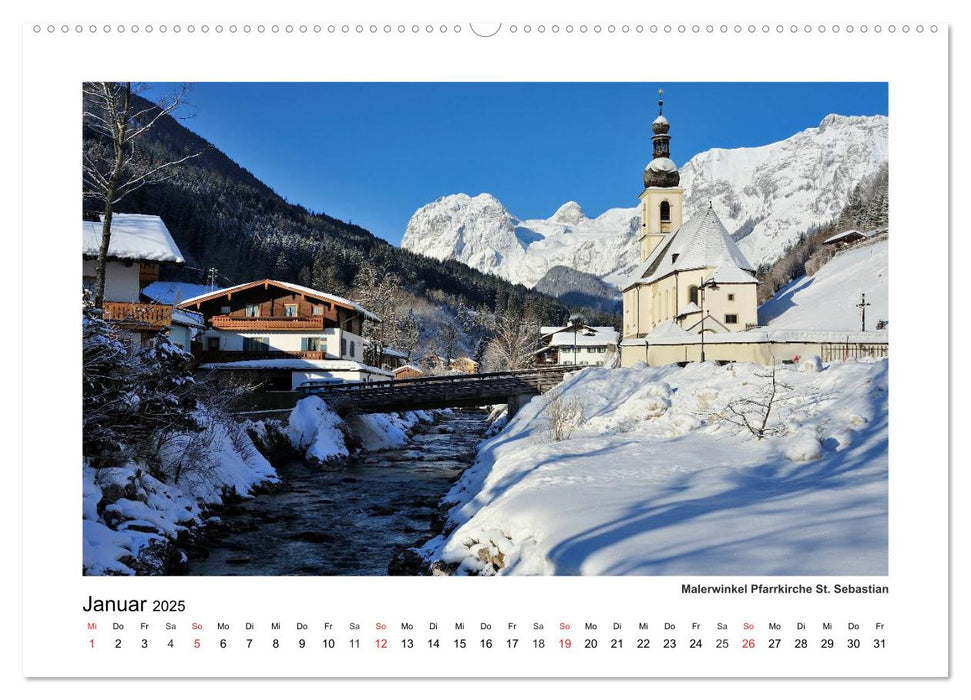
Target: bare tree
753,411
563,416
513,341
113,167
448,338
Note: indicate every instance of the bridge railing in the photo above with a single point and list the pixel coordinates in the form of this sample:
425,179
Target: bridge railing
537,377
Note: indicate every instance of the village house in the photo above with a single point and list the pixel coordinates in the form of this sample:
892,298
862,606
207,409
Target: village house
408,372
436,364
847,238
581,345
139,244
383,356
282,335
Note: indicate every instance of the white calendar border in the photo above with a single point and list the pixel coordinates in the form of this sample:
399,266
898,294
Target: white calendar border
913,73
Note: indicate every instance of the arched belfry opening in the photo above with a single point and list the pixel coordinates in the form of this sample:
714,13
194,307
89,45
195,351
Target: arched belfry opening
665,212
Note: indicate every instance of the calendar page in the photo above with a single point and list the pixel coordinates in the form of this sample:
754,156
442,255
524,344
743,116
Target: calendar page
536,345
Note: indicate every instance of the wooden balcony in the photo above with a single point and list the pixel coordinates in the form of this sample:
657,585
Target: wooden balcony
268,323
146,316
240,356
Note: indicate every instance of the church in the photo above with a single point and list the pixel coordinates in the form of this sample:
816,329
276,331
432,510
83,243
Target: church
692,277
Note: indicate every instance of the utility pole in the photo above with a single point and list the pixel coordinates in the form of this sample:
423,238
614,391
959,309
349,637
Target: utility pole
212,278
862,307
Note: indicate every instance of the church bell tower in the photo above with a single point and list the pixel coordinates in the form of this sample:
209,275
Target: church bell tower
662,200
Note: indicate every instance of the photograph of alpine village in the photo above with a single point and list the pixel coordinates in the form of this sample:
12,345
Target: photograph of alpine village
485,329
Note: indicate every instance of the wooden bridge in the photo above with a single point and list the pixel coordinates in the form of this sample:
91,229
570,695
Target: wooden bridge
447,391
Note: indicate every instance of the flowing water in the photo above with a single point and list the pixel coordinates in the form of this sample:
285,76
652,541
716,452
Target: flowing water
343,521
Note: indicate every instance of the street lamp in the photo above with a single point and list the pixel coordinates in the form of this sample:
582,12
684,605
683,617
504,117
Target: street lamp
576,320
705,284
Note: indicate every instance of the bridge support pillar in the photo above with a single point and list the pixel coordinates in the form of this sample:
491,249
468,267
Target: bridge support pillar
515,402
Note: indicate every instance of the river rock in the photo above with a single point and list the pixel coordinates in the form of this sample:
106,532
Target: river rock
441,568
407,562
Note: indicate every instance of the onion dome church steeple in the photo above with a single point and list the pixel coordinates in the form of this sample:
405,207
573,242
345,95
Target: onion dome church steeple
661,172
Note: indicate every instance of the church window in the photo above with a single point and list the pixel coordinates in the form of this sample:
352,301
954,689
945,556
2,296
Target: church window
665,212
693,293
674,257
731,318
731,297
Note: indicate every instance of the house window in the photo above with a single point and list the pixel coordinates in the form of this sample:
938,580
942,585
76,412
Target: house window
256,344
252,310
353,349
731,297
318,310
731,318
693,293
212,343
343,347
310,344
225,309
290,310
665,212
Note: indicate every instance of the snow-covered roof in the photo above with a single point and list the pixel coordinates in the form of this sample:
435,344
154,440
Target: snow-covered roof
701,242
668,329
181,317
728,273
299,289
295,363
412,368
391,352
133,237
764,335
599,336
854,233
550,330
690,308
662,165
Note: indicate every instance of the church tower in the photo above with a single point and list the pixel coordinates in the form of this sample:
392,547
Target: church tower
662,200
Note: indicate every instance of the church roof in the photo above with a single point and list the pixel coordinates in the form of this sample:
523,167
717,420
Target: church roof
728,272
690,308
701,242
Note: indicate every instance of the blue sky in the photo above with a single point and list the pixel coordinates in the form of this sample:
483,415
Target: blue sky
372,153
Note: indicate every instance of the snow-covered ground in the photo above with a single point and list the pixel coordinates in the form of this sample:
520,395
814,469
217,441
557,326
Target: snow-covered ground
144,512
657,477
828,299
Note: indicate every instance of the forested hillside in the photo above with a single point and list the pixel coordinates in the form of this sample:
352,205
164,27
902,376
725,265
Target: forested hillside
222,216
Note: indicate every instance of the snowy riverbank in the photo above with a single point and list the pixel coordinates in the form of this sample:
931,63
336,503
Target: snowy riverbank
132,520
137,523
655,473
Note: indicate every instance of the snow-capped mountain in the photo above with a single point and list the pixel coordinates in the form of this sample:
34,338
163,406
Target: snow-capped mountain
767,196
481,233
